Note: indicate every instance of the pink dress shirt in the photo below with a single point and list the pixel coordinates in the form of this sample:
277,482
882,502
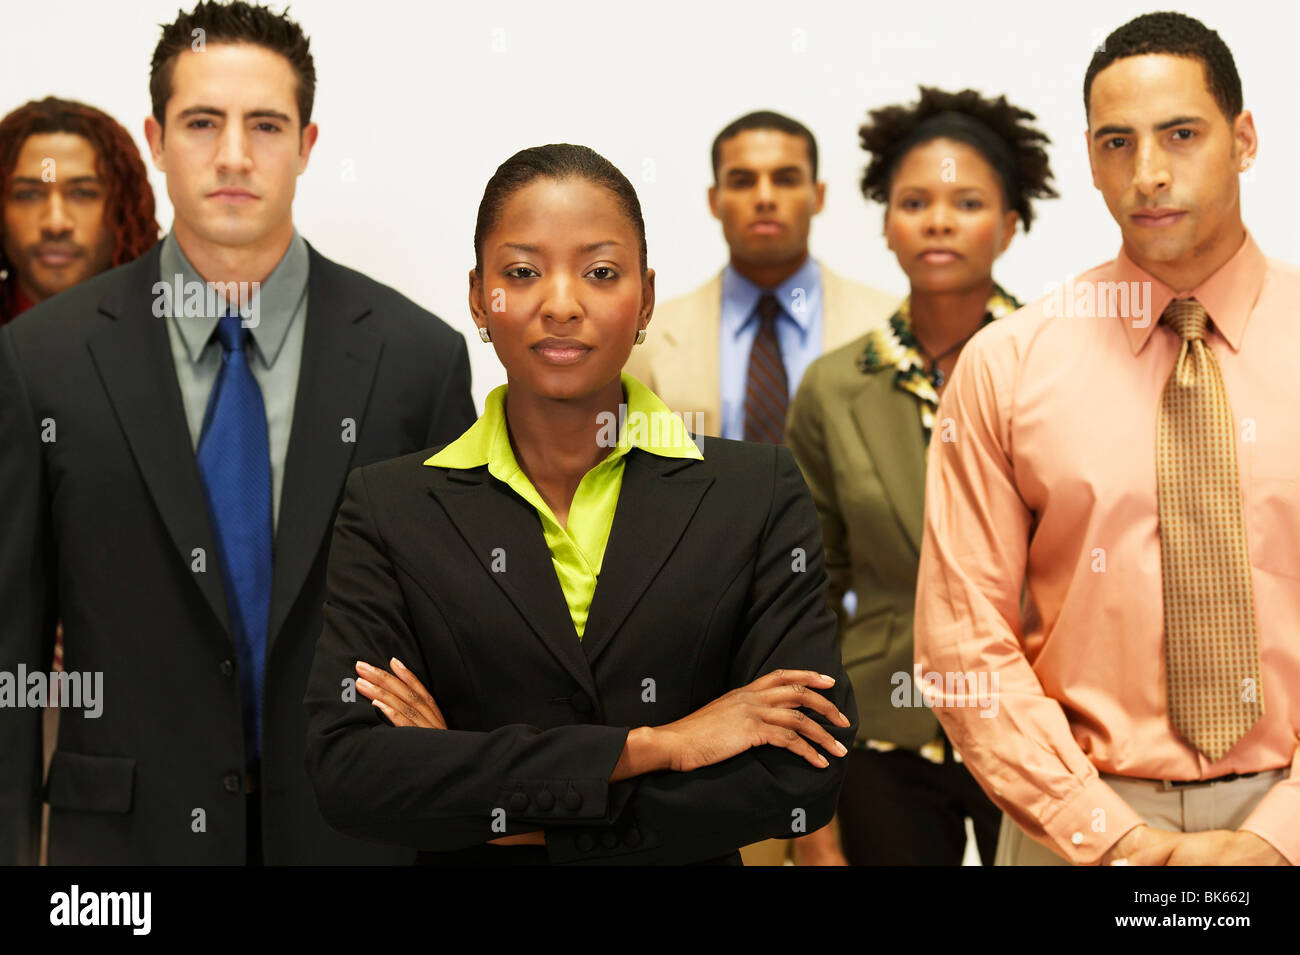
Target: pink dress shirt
1042,482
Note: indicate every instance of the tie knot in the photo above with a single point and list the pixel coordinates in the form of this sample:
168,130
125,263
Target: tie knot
1187,317
231,333
768,308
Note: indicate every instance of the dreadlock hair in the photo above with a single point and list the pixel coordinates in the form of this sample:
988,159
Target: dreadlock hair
554,161
129,204
993,127
236,22
1177,35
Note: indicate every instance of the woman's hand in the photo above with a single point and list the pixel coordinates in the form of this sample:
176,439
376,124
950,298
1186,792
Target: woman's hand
764,712
399,696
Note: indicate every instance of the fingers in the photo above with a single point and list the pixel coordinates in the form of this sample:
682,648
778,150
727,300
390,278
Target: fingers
394,697
413,682
789,738
797,722
785,677
799,695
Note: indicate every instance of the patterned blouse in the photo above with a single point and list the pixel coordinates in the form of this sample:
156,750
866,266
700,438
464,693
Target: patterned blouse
895,345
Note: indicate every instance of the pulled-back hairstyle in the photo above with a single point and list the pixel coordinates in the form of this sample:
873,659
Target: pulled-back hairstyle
554,161
1176,35
128,197
998,130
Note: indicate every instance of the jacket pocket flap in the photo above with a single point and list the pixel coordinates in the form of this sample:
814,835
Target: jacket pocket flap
93,783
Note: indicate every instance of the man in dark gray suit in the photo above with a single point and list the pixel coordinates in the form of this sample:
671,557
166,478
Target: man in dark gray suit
176,435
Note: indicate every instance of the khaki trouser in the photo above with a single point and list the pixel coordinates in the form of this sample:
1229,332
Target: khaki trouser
1185,809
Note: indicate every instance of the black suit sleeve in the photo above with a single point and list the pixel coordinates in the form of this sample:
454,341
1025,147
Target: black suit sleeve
436,790
454,412
765,792
27,620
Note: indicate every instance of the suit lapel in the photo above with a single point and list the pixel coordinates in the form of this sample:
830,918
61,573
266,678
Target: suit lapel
505,535
687,366
890,426
339,360
134,360
833,312
658,498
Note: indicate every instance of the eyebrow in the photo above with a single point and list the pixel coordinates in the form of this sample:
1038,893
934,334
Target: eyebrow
1116,130
33,181
745,169
251,114
535,249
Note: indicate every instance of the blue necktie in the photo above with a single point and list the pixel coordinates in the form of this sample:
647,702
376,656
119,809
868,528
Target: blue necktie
235,464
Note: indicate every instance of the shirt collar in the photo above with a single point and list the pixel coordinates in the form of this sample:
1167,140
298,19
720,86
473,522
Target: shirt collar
647,424
798,296
278,299
1228,295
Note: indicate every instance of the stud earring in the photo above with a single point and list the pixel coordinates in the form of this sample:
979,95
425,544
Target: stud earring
640,335
484,334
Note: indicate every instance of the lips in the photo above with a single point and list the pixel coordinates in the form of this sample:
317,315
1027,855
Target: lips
767,227
938,256
561,351
1158,218
232,194
56,257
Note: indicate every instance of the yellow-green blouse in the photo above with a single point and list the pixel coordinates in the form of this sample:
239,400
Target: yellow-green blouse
577,550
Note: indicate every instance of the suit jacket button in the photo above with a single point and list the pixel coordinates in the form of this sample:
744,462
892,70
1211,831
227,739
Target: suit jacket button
573,800
545,801
518,802
581,702
609,839
585,842
632,837
231,783
227,667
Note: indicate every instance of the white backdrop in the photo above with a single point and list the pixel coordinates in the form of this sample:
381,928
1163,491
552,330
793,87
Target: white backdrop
418,102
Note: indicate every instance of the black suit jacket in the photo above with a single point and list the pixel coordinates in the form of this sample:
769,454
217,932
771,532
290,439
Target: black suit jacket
713,576
101,526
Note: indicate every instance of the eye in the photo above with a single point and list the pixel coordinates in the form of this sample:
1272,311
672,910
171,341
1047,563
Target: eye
972,204
911,204
199,124
267,127
85,194
608,276
514,273
26,195
1110,143
1190,134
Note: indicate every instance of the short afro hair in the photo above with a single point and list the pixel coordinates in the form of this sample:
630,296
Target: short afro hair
994,127
765,119
1176,35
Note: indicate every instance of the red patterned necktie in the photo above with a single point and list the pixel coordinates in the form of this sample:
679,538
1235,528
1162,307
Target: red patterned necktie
767,389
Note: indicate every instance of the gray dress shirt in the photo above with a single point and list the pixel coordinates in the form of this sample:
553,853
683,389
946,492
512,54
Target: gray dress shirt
276,339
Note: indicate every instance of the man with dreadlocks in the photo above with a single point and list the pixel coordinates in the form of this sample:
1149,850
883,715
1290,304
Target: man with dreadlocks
75,200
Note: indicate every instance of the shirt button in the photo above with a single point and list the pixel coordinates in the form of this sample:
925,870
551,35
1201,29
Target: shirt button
1077,838
545,801
227,667
231,782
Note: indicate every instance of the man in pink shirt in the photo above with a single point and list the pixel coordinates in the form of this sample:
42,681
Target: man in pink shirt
1112,536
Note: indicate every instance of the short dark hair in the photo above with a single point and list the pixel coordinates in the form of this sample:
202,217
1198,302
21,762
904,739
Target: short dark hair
1177,35
997,130
236,22
764,119
554,161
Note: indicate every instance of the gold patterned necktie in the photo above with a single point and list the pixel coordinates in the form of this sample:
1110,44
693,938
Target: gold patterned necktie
1211,652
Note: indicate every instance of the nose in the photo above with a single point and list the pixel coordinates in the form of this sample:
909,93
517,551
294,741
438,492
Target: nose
55,219
938,220
1151,174
232,150
560,302
764,193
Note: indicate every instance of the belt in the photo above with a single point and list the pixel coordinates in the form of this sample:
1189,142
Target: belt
1169,784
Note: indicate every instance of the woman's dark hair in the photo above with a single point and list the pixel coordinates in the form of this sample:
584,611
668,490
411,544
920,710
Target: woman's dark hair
995,128
1177,35
554,161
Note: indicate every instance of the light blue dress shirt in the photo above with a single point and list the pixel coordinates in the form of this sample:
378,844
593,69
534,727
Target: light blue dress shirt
798,327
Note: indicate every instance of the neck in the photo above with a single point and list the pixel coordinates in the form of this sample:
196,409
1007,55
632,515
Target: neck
769,275
1189,272
555,440
941,319
234,263
26,291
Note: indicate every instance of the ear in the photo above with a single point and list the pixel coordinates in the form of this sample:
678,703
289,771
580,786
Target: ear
821,196
647,297
884,229
713,201
477,309
306,142
153,134
1010,220
1092,165
1245,138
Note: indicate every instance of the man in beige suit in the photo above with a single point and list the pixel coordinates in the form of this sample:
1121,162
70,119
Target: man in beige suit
731,353
697,354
